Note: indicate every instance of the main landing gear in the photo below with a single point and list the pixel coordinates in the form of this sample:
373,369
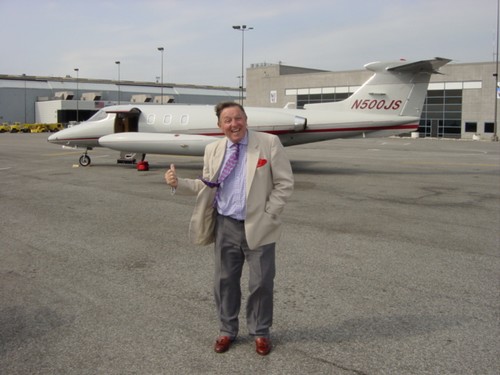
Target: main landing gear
85,159
127,158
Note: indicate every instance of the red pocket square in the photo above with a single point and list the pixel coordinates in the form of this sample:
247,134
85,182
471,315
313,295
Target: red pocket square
261,163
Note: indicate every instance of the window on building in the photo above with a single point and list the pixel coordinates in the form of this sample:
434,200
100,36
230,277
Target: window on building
489,127
442,114
471,127
452,128
303,99
424,127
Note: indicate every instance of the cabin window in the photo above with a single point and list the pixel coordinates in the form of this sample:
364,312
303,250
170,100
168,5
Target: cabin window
167,120
184,119
99,115
151,119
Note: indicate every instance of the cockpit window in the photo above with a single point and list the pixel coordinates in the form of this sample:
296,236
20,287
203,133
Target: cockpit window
99,115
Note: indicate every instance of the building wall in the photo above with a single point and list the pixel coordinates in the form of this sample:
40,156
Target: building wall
268,86
18,94
48,112
16,105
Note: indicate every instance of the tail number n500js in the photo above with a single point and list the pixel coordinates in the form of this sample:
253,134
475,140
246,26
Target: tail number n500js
376,104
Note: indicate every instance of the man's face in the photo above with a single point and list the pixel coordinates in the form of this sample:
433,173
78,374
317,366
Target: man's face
233,123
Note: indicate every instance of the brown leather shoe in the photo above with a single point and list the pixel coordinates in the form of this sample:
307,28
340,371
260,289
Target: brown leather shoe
222,344
263,345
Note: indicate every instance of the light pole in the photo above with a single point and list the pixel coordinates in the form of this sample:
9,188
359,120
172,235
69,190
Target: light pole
495,122
161,49
77,76
240,89
242,28
118,63
24,76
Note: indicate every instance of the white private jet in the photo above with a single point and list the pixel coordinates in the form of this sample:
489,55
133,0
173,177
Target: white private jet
389,103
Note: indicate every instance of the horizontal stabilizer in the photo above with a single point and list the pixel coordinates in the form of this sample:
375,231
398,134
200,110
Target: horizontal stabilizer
423,66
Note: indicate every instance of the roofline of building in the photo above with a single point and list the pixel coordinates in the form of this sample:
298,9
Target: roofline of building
290,69
25,77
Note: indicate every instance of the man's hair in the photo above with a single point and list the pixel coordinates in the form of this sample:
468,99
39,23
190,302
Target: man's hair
222,106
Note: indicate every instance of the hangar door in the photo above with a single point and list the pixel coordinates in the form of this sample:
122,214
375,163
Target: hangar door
127,121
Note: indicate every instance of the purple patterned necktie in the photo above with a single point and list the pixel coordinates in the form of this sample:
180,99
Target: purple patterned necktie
231,162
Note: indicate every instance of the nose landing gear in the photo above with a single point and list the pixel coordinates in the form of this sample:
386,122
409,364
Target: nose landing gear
85,159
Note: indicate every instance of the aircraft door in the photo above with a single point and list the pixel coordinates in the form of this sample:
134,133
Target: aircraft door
126,122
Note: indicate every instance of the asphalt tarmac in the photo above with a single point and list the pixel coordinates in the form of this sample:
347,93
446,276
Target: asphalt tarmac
389,264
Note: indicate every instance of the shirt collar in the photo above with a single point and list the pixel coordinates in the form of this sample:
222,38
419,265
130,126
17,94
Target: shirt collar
244,141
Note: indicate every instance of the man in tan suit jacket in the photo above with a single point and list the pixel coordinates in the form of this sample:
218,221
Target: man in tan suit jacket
242,216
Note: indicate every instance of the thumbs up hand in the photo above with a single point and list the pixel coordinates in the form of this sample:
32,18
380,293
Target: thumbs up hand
171,176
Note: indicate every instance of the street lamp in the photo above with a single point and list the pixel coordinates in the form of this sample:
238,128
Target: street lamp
24,76
161,49
242,28
118,63
77,76
240,89
495,122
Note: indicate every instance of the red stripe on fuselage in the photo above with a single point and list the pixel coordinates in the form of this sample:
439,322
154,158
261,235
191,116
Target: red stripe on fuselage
335,130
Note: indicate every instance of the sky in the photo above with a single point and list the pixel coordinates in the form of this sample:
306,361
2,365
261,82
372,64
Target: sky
53,37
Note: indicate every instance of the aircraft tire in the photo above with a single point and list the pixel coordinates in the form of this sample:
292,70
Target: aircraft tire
84,160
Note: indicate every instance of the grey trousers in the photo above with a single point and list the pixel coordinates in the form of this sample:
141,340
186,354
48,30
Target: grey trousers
231,251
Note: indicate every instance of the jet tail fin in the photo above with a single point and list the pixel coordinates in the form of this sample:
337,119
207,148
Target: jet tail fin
396,88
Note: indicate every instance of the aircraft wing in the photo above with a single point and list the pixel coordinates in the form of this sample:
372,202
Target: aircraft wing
157,143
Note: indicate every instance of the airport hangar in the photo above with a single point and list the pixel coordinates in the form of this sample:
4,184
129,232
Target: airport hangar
34,99
460,102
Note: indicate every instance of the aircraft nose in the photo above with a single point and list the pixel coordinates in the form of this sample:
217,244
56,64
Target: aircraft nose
52,138
56,138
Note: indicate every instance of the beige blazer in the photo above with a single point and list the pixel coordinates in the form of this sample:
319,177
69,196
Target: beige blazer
269,183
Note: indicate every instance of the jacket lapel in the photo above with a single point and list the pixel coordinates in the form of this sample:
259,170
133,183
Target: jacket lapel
218,159
252,158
